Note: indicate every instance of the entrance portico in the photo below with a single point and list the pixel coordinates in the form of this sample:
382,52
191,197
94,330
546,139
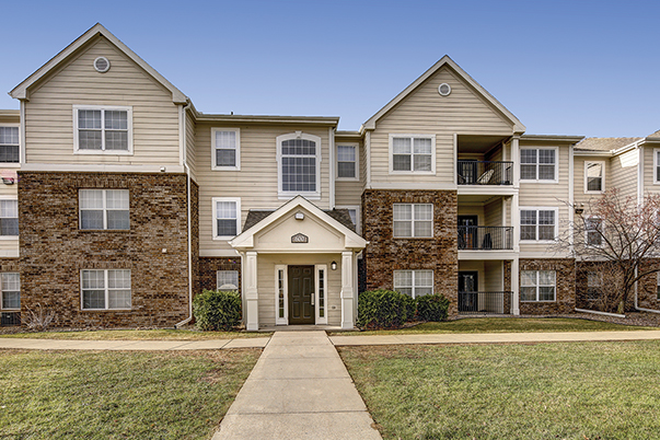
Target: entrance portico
299,267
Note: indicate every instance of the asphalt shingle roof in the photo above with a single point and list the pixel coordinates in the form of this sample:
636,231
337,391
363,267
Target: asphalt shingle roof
341,215
604,144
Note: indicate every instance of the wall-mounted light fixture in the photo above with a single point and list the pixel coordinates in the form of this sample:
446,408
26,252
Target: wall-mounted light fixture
299,216
579,209
333,265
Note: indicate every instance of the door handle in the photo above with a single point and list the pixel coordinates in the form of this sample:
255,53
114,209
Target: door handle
312,301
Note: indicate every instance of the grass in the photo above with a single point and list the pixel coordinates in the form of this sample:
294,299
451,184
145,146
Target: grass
139,335
582,391
118,395
504,325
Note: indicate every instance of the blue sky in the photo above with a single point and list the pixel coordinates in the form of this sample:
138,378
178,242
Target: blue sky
562,67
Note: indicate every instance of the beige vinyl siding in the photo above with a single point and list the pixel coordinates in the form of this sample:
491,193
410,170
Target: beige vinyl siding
426,112
649,170
579,194
266,284
350,192
49,112
191,151
623,172
493,280
472,210
555,195
256,182
493,213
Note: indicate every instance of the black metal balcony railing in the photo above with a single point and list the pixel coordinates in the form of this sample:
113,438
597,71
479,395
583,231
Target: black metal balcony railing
484,302
485,238
473,172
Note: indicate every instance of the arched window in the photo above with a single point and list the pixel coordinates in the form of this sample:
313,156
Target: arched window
299,160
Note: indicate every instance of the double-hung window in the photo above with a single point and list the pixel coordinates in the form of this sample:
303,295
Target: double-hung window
538,164
227,280
347,162
538,285
412,153
594,285
412,220
226,145
9,145
104,289
538,224
10,283
103,130
594,173
226,217
104,209
299,161
592,231
9,218
414,283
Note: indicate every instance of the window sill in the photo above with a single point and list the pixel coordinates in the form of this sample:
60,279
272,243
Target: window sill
104,152
539,302
544,181
289,196
10,164
225,237
408,173
347,179
104,230
216,168
8,237
106,310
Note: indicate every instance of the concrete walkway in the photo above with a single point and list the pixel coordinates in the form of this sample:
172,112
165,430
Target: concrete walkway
299,389
495,338
77,344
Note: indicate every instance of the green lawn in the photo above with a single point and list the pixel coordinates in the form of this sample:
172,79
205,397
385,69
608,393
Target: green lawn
606,390
118,395
505,325
152,335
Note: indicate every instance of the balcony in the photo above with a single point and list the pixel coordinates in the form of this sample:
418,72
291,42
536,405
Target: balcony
484,302
485,238
476,172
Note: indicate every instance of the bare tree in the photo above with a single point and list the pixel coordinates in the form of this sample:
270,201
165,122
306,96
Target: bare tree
614,236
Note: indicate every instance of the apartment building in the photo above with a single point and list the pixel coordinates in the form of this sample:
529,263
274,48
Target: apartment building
121,201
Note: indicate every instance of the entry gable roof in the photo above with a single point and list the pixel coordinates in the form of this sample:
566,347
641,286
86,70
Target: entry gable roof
246,238
518,127
21,90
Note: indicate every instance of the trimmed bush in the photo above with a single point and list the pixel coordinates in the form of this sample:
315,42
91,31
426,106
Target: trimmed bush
432,307
384,309
216,310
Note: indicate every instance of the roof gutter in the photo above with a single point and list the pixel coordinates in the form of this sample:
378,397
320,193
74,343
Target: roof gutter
182,143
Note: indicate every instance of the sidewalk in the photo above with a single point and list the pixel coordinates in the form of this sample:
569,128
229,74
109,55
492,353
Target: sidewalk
299,389
73,344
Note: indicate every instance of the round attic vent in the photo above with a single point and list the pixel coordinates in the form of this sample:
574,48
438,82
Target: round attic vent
444,89
101,64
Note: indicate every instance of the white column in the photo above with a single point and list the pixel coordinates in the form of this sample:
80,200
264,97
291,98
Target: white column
515,158
515,288
251,295
347,291
515,222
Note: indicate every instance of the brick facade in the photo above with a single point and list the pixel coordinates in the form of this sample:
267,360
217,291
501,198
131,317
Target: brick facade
54,249
209,266
385,254
565,288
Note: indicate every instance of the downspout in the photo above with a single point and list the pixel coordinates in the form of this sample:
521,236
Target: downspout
188,181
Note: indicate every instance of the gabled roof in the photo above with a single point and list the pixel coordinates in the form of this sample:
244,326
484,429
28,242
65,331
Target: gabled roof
246,238
254,216
21,90
518,127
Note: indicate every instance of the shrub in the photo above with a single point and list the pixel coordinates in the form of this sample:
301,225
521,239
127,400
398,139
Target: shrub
216,310
384,309
432,307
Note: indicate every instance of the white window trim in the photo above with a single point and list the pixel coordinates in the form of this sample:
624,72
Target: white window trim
537,209
537,286
20,141
317,269
357,162
105,209
217,278
10,237
312,195
2,305
107,292
537,180
239,216
216,167
358,215
656,163
413,236
417,136
586,232
586,179
278,320
413,280
129,117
